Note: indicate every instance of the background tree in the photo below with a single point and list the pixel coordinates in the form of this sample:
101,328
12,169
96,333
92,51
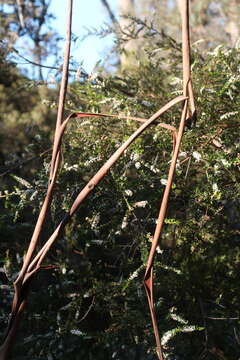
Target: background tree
23,118
212,22
30,19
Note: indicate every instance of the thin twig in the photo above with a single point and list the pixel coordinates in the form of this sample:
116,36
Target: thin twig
109,11
60,68
222,318
88,310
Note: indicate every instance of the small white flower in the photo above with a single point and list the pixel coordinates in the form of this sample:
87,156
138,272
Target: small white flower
146,103
141,203
87,122
178,164
217,143
76,332
189,328
137,165
91,160
124,223
133,275
77,314
158,250
154,169
225,162
95,221
71,167
215,187
196,155
177,317
129,192
182,154
135,156
33,196
166,337
216,169
163,181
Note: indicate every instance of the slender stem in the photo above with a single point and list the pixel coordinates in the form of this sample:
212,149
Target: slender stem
21,292
185,45
64,82
186,55
187,90
55,160
148,278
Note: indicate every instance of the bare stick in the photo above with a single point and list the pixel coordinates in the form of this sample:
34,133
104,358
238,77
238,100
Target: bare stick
64,83
20,291
187,82
148,278
187,89
54,163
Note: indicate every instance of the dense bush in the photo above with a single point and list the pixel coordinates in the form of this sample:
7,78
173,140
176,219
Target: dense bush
93,304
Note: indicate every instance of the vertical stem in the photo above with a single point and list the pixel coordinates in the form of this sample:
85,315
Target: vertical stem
187,90
64,81
186,56
185,45
148,278
55,160
21,292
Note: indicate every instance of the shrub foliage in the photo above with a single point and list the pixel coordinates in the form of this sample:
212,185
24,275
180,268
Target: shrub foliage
92,305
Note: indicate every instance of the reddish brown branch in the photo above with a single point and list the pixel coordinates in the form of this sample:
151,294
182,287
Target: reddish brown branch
187,81
21,285
187,90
